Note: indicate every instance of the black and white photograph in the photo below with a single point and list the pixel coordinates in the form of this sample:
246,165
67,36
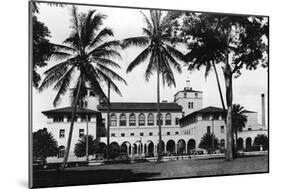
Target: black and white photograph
125,94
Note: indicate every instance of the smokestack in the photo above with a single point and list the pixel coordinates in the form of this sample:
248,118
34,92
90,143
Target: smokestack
262,110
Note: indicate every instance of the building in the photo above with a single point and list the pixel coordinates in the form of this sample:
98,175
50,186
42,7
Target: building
134,128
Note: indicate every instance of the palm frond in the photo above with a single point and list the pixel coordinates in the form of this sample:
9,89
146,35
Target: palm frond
106,61
111,73
135,41
139,59
172,61
63,84
107,80
53,74
105,53
106,32
174,52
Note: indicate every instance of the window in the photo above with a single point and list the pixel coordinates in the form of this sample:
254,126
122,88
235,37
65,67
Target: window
222,143
168,133
122,134
141,134
205,117
216,117
58,118
184,95
141,119
61,152
62,133
83,118
69,118
222,129
132,119
208,129
122,120
113,120
103,121
150,134
150,119
132,134
249,129
92,93
177,121
81,133
113,134
190,105
176,133
168,119
196,95
161,119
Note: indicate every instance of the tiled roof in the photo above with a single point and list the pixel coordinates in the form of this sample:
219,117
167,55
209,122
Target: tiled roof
140,106
68,110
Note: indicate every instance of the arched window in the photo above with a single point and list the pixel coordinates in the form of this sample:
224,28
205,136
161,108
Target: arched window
168,119
132,119
61,152
150,119
123,120
141,119
222,143
161,119
113,120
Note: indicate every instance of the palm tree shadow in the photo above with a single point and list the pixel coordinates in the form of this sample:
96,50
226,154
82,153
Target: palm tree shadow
53,178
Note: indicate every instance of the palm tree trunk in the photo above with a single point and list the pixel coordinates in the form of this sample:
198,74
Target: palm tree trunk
73,115
219,87
108,122
158,114
229,98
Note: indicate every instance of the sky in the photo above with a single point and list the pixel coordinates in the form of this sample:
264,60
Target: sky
128,23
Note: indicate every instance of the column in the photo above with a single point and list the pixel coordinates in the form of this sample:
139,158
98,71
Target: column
186,148
164,146
142,151
128,146
176,148
132,150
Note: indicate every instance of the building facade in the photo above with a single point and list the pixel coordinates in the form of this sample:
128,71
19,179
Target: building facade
134,126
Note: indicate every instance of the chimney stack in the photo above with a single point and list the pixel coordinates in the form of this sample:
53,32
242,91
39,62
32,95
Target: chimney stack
262,110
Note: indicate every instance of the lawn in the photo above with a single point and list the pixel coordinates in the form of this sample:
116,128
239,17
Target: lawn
149,171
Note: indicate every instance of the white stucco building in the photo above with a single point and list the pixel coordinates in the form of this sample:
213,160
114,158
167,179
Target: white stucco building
134,128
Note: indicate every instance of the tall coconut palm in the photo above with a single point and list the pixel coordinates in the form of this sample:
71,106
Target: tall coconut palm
204,53
160,54
239,120
84,59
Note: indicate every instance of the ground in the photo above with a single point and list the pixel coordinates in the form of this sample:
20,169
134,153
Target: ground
149,171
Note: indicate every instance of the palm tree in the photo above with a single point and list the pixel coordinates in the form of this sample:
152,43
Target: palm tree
204,53
160,53
80,146
239,120
209,142
44,144
86,57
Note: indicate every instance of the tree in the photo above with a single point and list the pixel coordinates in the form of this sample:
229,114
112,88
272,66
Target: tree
44,144
238,42
239,120
209,142
42,48
85,55
261,140
80,146
160,54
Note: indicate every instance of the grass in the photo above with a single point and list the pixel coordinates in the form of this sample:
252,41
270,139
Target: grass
149,171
